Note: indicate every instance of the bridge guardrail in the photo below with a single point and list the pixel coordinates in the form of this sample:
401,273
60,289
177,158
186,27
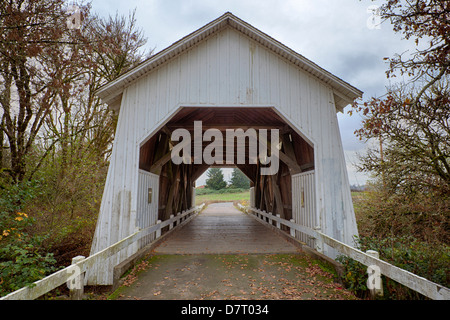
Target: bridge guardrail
419,284
73,275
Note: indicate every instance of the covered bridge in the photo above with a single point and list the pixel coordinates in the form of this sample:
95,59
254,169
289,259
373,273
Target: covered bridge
227,75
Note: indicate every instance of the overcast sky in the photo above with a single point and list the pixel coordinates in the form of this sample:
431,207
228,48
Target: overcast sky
338,35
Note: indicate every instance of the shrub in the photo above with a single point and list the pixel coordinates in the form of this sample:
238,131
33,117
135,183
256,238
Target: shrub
21,259
381,214
411,254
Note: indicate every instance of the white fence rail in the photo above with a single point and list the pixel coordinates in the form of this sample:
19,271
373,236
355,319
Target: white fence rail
73,275
419,284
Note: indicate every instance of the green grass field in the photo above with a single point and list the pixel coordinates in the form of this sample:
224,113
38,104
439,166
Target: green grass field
225,197
245,197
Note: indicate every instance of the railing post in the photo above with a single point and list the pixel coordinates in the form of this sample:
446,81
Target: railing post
374,283
75,283
158,232
292,229
171,225
278,221
318,244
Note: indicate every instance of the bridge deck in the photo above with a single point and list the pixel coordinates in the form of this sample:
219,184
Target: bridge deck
222,229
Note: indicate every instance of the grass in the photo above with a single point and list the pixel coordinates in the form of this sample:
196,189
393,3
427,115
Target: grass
225,197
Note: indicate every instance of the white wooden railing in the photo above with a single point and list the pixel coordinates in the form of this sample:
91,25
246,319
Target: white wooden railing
73,275
370,259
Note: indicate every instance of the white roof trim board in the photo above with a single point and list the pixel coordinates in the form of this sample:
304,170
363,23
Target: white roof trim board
344,92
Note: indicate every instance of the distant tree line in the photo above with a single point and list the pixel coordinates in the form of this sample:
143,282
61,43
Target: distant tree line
216,179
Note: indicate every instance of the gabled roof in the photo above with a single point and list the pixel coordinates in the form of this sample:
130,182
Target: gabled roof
344,92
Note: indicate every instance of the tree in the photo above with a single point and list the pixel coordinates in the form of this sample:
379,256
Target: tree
411,122
81,123
415,137
410,128
215,179
422,21
53,128
239,180
49,73
71,158
33,33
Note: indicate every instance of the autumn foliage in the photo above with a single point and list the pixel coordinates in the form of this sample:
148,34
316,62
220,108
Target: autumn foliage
409,125
55,134
405,213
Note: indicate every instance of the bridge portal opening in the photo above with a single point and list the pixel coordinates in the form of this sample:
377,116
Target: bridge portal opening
271,191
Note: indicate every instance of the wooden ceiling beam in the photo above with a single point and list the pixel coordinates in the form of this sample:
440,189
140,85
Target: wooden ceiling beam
224,127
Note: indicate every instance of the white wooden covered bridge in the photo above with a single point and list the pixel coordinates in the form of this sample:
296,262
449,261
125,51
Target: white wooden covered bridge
228,75
225,76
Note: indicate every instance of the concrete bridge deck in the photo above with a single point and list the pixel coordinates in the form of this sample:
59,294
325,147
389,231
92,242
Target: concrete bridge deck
223,229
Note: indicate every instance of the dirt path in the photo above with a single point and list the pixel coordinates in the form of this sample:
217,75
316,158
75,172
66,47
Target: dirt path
205,261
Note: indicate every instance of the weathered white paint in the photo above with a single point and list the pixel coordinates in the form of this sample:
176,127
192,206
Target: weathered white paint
231,66
344,92
147,212
304,204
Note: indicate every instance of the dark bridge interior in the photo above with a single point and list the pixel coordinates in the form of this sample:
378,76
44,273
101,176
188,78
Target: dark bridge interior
272,192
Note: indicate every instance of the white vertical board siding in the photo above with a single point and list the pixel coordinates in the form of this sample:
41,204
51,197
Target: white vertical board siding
338,218
147,212
227,69
117,216
304,203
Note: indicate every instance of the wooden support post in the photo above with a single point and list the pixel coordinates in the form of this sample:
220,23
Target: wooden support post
76,280
185,191
374,282
318,244
292,229
278,222
257,188
171,225
277,196
162,156
172,192
158,232
289,150
262,193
